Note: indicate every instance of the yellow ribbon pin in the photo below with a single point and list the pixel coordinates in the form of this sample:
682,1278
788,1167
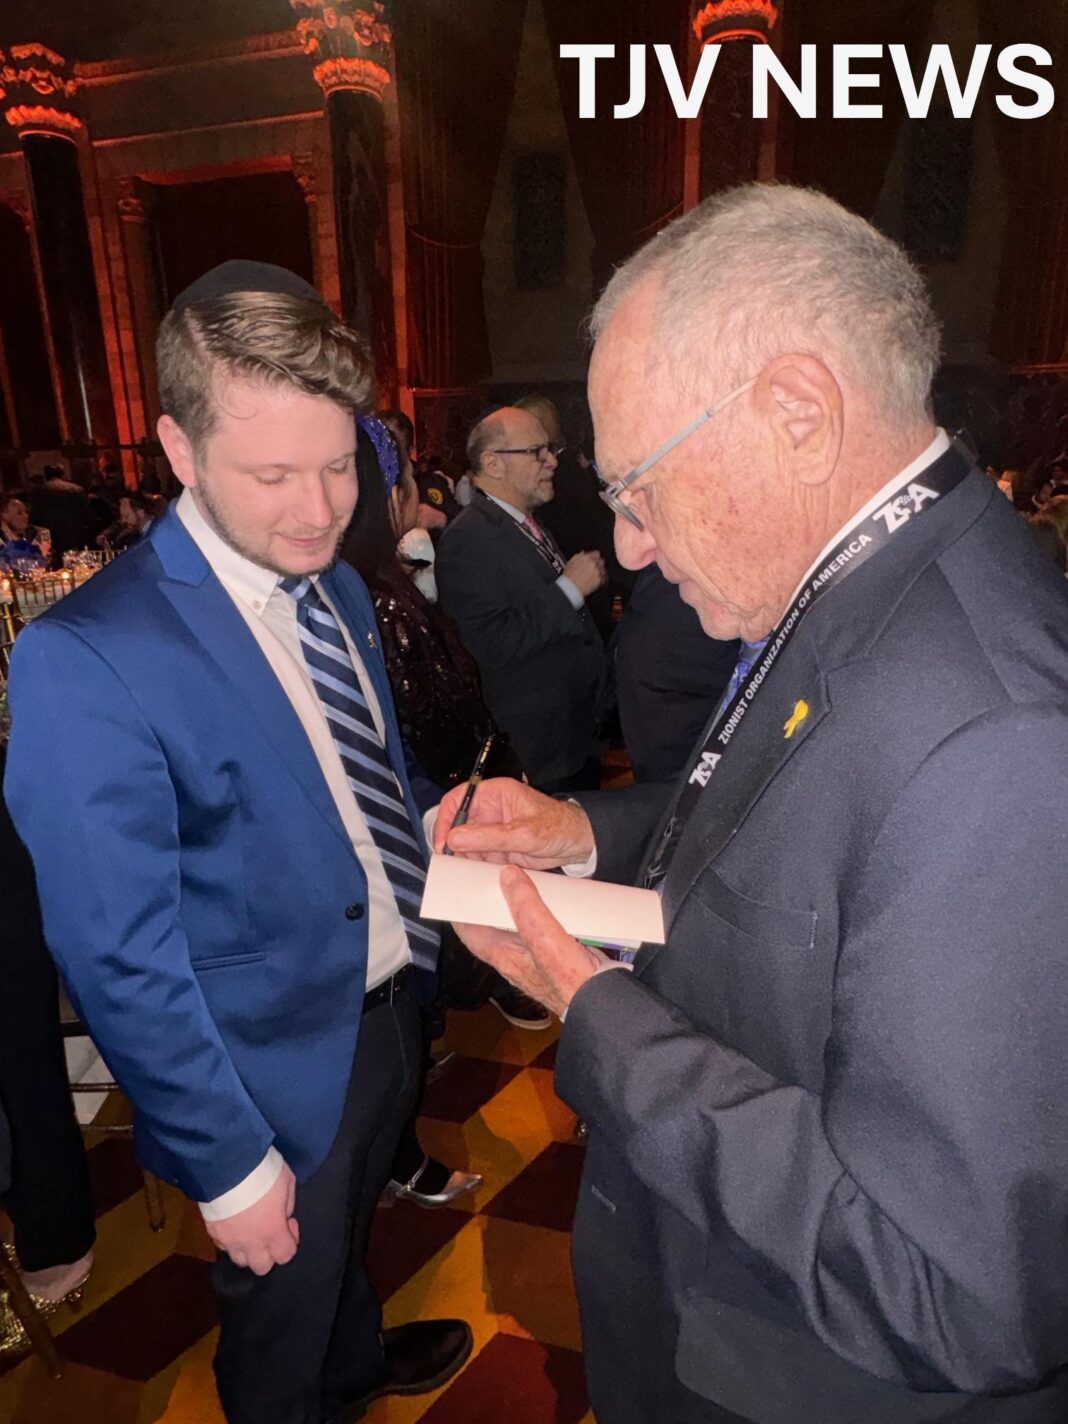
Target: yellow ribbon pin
797,716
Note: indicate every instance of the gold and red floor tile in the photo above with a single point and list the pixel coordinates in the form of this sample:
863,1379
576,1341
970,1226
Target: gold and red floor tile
140,1350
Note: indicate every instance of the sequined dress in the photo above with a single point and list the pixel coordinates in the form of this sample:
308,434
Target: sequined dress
435,685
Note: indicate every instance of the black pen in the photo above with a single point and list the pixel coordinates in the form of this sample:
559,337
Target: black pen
473,781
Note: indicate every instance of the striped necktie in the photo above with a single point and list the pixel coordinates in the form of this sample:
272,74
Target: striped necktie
748,653
366,762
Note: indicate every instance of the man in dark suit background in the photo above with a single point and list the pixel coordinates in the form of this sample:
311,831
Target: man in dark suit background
577,518
521,607
62,507
828,1120
669,676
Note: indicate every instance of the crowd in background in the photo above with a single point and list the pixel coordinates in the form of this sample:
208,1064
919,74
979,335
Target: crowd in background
53,515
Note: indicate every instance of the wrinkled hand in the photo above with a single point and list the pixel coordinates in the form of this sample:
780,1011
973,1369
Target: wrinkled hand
512,824
265,1234
586,571
542,959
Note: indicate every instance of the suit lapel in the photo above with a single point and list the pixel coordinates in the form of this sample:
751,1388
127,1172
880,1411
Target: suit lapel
497,517
215,624
839,630
363,631
353,602
785,712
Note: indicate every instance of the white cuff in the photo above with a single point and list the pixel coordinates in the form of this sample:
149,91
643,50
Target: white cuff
248,1192
588,867
430,820
570,592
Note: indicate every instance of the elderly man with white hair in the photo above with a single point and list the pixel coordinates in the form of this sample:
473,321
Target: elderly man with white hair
827,1177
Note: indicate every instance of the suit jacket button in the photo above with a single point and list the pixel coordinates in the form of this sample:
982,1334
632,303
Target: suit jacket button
354,912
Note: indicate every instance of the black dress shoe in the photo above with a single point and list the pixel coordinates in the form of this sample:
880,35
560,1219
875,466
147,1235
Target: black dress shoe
420,1357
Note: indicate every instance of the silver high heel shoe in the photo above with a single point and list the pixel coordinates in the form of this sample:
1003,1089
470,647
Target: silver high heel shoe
457,1184
13,1337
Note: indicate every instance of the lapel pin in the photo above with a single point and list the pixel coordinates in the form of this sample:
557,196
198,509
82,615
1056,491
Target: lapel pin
371,641
797,716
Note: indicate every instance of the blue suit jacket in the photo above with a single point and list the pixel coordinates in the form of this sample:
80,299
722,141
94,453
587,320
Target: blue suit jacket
199,891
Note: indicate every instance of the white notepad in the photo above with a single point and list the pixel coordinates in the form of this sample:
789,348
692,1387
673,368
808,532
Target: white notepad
469,892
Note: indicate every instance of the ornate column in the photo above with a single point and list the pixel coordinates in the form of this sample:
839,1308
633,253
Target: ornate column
20,208
304,173
39,105
350,42
9,421
731,139
29,388
143,290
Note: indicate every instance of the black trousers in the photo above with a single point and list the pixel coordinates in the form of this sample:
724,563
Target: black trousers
48,1200
299,1343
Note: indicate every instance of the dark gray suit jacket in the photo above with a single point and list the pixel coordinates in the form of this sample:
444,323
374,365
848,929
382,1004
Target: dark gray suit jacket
542,662
833,1111
670,676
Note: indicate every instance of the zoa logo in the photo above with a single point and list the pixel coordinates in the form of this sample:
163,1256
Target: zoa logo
903,506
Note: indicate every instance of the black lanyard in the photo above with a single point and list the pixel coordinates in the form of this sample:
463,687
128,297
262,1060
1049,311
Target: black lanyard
543,545
911,498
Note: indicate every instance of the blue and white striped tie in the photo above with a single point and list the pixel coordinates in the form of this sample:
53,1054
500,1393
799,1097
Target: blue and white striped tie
366,762
748,653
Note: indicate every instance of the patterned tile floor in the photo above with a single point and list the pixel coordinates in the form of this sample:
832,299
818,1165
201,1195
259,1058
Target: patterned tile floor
140,1350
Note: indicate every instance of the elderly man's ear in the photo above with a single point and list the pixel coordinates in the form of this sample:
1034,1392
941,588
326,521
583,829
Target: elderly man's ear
803,402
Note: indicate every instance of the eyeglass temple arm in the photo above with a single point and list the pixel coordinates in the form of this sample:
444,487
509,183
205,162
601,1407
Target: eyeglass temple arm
668,446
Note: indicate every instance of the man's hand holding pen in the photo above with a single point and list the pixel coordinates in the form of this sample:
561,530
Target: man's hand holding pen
512,825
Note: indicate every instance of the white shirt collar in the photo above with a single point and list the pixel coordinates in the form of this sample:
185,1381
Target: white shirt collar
517,514
937,448
252,583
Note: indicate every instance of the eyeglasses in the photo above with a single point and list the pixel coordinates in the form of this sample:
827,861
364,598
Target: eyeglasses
610,493
540,452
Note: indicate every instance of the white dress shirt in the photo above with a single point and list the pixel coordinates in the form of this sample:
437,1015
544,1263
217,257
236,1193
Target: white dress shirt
563,583
271,615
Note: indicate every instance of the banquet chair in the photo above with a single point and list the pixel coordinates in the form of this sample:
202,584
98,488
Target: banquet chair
18,1297
7,642
71,1026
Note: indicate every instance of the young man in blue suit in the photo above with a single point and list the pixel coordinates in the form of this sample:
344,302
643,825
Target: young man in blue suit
231,881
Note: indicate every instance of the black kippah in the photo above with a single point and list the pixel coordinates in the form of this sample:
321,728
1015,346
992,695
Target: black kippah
240,275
